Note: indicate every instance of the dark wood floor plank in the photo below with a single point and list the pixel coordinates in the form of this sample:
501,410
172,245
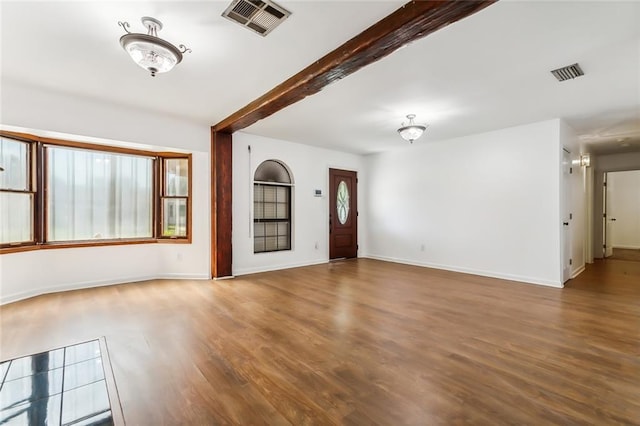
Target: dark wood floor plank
357,342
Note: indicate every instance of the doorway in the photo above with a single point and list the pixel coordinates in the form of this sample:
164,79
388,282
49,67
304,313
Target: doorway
621,215
343,214
566,215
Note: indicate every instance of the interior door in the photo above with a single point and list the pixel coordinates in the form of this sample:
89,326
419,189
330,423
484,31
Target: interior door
622,215
343,214
609,218
566,216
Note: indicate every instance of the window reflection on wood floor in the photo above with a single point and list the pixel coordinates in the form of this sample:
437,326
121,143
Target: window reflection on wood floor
64,386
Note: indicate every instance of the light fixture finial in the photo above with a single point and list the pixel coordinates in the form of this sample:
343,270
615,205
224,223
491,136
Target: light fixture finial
411,131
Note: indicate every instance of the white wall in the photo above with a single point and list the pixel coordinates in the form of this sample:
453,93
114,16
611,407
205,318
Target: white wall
33,108
27,274
618,162
624,206
310,169
487,204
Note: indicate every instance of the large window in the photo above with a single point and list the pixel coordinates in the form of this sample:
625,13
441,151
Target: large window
55,193
98,195
271,208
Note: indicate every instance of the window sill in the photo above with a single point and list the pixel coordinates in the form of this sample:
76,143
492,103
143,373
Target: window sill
81,244
169,240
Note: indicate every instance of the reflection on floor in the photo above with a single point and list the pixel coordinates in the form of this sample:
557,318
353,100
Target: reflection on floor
60,387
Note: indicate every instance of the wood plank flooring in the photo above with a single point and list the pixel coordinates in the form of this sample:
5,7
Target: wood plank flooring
357,342
626,254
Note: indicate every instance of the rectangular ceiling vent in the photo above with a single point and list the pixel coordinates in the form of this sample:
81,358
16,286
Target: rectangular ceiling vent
260,16
568,72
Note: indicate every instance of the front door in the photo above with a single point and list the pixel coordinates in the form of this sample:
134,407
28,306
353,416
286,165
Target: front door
343,214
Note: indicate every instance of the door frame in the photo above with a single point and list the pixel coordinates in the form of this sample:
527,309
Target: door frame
565,227
607,248
596,230
615,213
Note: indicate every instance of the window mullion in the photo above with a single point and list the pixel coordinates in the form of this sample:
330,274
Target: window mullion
158,195
39,158
17,191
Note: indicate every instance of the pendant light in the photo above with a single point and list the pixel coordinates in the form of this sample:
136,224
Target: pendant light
150,51
411,131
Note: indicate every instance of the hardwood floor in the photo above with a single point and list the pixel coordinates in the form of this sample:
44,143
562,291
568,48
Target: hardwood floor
626,254
357,342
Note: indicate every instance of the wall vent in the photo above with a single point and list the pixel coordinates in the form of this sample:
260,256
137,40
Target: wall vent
568,72
260,16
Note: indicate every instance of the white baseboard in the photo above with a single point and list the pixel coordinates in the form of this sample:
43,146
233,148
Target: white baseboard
258,269
627,247
510,277
228,277
183,276
580,269
96,283
172,276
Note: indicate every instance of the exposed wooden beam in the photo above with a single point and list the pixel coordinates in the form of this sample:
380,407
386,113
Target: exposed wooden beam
411,22
221,191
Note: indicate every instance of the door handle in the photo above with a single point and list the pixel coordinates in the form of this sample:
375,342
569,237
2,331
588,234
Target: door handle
565,223
613,219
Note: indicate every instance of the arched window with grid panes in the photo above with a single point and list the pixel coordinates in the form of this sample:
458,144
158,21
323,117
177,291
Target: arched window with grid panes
272,187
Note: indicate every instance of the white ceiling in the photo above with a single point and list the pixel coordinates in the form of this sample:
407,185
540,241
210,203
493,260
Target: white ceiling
73,46
486,72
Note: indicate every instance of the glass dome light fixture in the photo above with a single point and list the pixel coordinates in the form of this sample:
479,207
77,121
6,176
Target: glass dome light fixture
411,131
150,51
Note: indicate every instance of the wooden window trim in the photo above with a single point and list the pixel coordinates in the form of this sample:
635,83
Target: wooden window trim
161,196
30,190
83,145
37,165
75,244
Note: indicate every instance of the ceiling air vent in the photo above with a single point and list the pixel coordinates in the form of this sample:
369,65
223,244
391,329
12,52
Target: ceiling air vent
568,72
257,15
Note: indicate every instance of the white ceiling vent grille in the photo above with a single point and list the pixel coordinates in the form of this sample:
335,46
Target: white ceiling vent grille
260,16
568,72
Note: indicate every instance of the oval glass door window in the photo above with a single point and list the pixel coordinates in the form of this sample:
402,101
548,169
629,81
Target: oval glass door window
342,202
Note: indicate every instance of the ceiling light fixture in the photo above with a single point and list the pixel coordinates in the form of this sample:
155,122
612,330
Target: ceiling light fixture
585,160
150,51
411,131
